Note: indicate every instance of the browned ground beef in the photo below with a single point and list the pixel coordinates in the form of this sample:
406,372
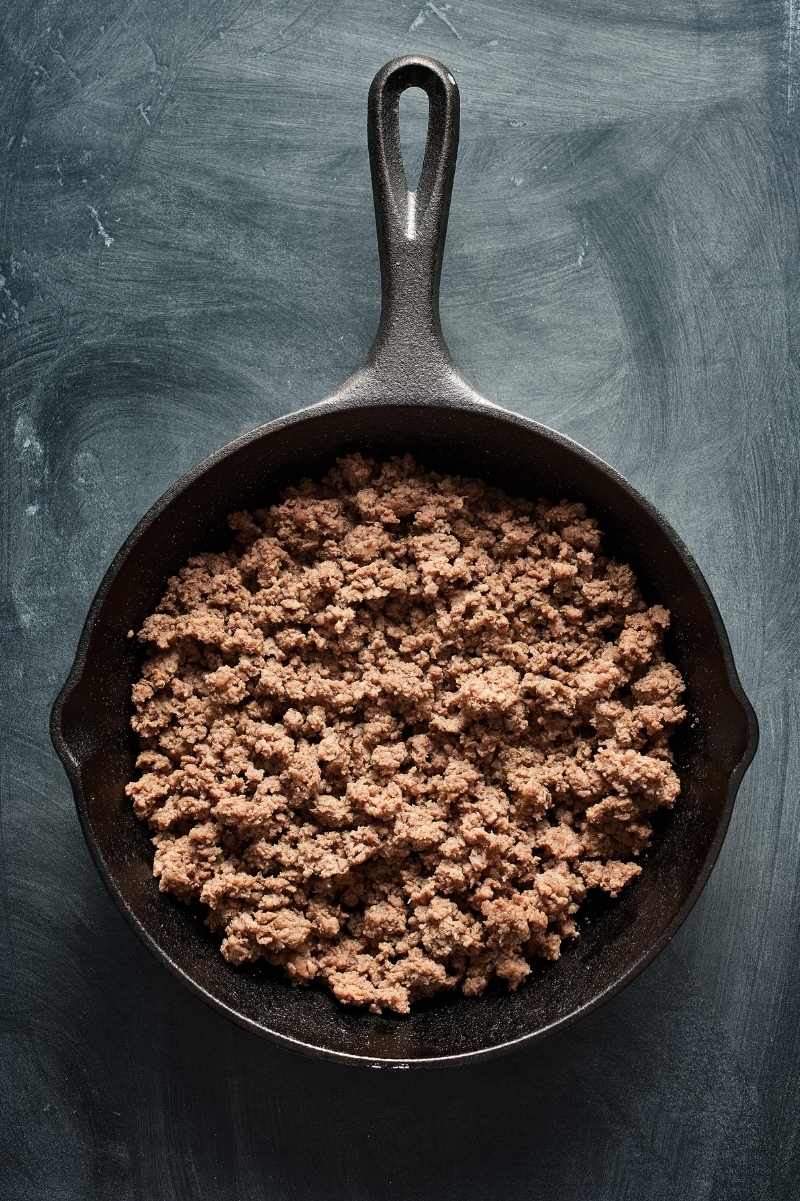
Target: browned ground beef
393,735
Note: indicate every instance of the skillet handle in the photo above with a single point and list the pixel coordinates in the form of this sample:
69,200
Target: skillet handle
409,358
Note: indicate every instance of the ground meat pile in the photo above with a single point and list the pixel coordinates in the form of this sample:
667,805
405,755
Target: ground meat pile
392,737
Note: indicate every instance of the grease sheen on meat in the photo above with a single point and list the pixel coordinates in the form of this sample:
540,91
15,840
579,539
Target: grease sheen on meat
392,737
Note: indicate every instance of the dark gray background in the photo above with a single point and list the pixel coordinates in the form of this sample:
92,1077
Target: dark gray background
187,249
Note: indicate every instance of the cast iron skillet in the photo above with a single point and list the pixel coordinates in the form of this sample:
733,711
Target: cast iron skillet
408,397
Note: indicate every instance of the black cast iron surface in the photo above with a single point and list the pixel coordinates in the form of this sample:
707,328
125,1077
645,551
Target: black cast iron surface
643,306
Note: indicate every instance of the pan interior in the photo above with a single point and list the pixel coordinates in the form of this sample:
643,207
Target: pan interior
522,459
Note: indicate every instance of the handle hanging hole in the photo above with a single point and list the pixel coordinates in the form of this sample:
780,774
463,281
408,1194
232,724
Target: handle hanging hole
414,122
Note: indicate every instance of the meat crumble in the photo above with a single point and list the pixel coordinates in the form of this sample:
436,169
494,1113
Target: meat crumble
393,736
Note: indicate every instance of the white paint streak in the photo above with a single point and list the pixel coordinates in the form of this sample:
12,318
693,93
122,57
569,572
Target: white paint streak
792,8
31,510
584,247
102,232
25,441
24,614
441,12
16,307
144,110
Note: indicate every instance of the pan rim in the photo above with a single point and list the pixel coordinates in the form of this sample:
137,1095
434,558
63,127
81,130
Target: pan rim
336,403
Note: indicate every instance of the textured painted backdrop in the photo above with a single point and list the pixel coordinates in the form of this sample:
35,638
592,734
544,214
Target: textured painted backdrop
187,249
